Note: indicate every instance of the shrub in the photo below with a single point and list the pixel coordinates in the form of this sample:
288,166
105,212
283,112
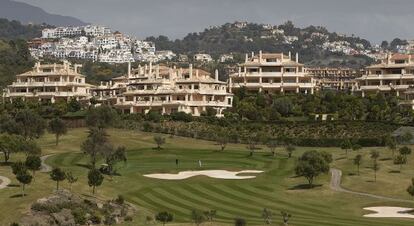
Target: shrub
239,222
128,218
95,218
79,216
120,200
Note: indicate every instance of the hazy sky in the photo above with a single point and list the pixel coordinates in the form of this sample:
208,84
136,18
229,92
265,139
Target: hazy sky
375,20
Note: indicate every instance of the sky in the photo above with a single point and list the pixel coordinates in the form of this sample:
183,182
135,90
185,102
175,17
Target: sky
375,20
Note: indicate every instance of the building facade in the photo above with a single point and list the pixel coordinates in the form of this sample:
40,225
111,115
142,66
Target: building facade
393,76
50,82
335,78
168,90
272,73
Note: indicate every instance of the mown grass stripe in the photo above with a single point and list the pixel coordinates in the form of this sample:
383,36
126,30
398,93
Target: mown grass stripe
206,200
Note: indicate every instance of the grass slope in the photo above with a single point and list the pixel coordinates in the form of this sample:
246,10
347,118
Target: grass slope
276,189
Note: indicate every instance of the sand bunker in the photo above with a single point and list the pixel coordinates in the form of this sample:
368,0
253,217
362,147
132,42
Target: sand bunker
4,181
219,174
389,212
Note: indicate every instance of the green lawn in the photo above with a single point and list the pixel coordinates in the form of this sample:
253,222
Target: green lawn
276,189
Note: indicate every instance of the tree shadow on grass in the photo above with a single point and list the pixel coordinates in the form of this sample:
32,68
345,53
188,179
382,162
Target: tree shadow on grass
305,186
352,174
385,159
17,196
13,185
86,166
340,158
6,163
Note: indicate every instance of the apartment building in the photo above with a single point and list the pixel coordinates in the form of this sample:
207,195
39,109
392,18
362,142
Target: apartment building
392,76
50,82
335,78
168,90
272,73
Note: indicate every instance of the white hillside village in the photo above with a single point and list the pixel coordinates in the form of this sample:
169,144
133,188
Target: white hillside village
95,43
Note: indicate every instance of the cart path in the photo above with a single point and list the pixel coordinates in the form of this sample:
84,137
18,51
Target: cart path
336,176
45,168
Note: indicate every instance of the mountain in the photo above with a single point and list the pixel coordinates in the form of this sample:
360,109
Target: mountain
26,14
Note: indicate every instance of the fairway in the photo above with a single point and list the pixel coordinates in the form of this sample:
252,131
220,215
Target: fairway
276,189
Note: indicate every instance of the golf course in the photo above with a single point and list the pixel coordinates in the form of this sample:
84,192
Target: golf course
276,189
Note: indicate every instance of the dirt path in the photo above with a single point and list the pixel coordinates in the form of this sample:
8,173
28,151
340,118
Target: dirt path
336,176
45,168
4,182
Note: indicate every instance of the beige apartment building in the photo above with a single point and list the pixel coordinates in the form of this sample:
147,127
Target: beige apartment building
272,73
335,78
393,76
50,82
168,90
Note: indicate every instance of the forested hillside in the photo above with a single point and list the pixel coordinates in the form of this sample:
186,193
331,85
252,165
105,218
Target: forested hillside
233,38
14,59
16,30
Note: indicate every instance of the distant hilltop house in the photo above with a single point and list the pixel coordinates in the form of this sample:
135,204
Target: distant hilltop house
96,43
202,57
272,73
225,58
50,82
89,30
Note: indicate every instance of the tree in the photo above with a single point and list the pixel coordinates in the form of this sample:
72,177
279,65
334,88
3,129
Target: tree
374,155
222,139
239,222
251,146
24,178
400,160
71,179
30,147
197,217
290,149
405,151
57,175
95,179
410,188
375,167
113,156
18,167
267,216
33,163
210,214
10,144
310,165
58,127
391,144
101,117
159,141
285,217
358,161
95,144
31,124
346,145
272,145
356,147
164,217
